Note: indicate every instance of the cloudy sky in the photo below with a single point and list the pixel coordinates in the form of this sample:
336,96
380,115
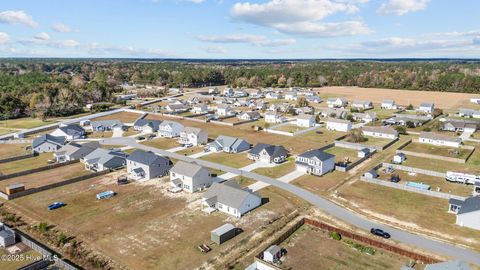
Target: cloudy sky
270,29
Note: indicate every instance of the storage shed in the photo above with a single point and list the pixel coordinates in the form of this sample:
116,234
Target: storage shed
223,233
7,238
14,188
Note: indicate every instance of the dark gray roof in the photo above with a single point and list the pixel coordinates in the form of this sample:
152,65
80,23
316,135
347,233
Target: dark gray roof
228,193
272,150
72,129
105,123
144,122
316,153
144,157
470,204
48,138
186,169
449,265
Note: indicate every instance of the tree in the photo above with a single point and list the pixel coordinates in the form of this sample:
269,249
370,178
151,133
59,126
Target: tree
401,130
355,136
409,107
410,124
302,102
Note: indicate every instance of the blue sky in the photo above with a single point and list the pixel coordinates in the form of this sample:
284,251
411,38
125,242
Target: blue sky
240,29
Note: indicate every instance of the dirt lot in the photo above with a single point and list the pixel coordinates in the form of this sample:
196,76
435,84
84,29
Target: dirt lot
320,184
11,150
144,226
402,97
310,249
124,117
25,164
46,177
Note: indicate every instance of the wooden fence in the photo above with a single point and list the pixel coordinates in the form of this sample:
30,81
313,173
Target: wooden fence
41,169
15,158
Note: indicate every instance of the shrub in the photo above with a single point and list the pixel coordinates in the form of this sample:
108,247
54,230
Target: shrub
42,227
335,236
401,130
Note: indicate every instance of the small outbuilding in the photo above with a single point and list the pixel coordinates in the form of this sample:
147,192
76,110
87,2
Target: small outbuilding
14,188
372,174
399,158
363,152
272,254
223,233
7,237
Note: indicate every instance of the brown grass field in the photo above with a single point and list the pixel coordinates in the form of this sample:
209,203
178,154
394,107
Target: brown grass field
11,150
125,117
25,164
443,100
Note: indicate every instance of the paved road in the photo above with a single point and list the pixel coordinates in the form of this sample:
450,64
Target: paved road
323,204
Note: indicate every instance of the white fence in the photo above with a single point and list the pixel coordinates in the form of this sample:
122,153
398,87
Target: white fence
414,170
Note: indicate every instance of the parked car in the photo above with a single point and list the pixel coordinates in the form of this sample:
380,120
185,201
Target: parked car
56,205
379,232
188,145
140,138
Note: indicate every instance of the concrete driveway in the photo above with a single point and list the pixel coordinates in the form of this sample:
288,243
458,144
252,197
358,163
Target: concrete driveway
247,168
286,179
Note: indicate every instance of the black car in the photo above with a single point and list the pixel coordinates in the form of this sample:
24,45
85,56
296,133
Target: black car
379,232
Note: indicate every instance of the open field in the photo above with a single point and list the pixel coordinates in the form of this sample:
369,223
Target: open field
437,150
415,212
233,160
25,123
124,117
46,177
310,249
290,128
402,97
296,145
11,150
145,221
25,164
472,166
100,134
434,182
4,131
341,154
162,143
279,170
320,184
191,150
12,263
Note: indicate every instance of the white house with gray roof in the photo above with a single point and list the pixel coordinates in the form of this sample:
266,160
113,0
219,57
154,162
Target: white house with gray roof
224,110
228,144
426,107
305,120
251,115
380,132
362,104
70,132
339,125
274,118
315,162
143,165
74,151
268,153
102,159
147,125
105,125
193,136
200,108
336,102
169,129
189,177
439,140
230,198
388,104
47,143
467,211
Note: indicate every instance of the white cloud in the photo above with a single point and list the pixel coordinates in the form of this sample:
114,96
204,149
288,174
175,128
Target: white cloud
17,17
61,28
42,36
4,38
196,1
401,7
97,49
302,17
214,49
43,39
250,39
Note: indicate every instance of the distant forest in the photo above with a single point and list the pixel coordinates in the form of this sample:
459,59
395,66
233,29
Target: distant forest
58,87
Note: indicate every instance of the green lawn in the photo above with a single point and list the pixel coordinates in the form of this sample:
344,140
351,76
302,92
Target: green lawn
437,150
232,160
25,123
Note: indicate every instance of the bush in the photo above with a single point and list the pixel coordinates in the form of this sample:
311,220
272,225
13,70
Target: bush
427,129
42,227
335,236
409,107
401,130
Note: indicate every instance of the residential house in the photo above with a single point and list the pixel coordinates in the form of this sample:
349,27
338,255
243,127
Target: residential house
47,143
147,125
193,136
213,91
230,198
256,93
200,108
143,165
315,162
291,95
314,99
169,129
469,113
305,120
403,119
190,177
380,132
274,118
177,108
365,117
228,92
259,105
467,211
448,265
388,104
426,107
102,159
438,139
340,113
70,132
268,153
193,100
339,125
252,115
362,104
224,110
240,93
74,151
457,125
273,95
105,125
475,100
305,110
336,102
228,144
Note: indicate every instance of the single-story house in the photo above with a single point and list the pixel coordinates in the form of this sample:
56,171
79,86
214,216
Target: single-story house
105,125
268,153
467,211
336,102
426,107
177,108
314,99
305,120
339,113
70,132
190,177
143,165
47,143
315,162
457,125
339,125
388,104
147,125
230,198
169,129
252,115
304,110
74,151
200,108
102,159
365,117
380,132
273,95
228,144
362,104
193,136
438,139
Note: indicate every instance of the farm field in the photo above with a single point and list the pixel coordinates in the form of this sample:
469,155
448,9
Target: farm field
233,160
310,248
11,150
25,164
411,211
124,117
162,143
402,97
46,177
296,145
437,150
145,221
